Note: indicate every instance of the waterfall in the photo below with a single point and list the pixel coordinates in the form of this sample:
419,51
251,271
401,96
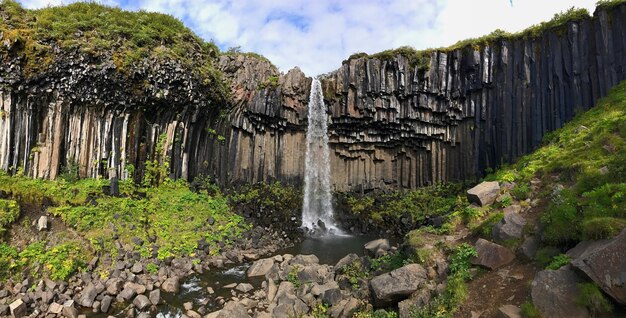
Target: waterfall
317,208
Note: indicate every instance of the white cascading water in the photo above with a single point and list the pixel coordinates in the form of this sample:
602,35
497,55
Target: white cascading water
317,208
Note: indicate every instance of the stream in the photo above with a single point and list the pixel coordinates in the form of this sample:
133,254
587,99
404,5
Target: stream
329,250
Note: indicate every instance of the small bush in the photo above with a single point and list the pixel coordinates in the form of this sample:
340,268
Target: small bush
591,296
486,227
521,191
559,261
545,255
602,228
9,212
529,310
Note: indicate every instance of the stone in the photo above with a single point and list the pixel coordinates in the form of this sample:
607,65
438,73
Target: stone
42,223
509,228
491,255
18,308
106,303
126,294
260,267
155,296
137,268
554,294
137,288
529,247
509,311
88,295
515,208
141,302
304,260
55,308
484,193
332,296
114,286
171,285
272,289
605,264
398,284
233,310
346,260
188,306
377,247
68,309
244,287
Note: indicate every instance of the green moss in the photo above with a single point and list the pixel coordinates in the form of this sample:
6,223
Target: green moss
529,310
484,229
559,261
608,4
592,298
602,228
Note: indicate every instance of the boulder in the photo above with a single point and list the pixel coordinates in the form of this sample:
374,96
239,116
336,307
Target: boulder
346,260
509,311
491,255
126,294
260,267
528,249
106,303
55,308
398,284
605,264
155,296
18,309
510,227
114,286
42,223
345,309
233,310
137,268
244,287
515,208
304,260
377,247
88,295
332,296
554,292
171,285
484,193
137,288
68,309
141,302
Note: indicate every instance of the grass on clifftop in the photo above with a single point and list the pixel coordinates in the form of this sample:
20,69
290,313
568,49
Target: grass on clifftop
421,58
95,29
583,168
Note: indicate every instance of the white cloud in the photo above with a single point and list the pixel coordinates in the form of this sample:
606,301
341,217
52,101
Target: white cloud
318,35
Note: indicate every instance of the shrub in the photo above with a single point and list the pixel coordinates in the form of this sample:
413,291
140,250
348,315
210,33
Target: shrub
559,261
529,310
486,227
602,228
9,212
591,296
521,191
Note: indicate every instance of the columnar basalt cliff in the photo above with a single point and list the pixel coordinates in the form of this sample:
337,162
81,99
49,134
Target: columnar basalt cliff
392,124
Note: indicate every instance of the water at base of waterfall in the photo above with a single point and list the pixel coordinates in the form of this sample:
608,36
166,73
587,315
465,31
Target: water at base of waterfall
317,208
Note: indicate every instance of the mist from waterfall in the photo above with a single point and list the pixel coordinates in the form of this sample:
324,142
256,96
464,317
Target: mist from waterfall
317,208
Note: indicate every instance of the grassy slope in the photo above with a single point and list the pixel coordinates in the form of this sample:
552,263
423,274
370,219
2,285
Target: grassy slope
171,216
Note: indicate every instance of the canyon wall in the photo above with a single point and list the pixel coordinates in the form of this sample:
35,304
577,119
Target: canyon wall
392,124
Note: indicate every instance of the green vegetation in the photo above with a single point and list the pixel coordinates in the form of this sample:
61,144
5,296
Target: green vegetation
559,261
607,4
152,268
267,198
292,276
588,155
418,204
591,296
98,30
320,311
270,82
57,262
529,310
355,272
171,215
446,304
9,212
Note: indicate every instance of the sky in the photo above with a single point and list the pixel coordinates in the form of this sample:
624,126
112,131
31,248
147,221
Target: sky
317,35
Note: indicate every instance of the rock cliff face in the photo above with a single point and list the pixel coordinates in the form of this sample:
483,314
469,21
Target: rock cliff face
392,124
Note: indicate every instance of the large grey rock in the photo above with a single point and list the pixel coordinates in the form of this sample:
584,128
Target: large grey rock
377,247
171,285
244,287
484,193
68,309
554,292
491,255
155,296
106,303
605,264
398,284
88,295
233,310
346,260
18,308
260,267
332,296
510,227
55,308
114,286
304,260
141,302
528,249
